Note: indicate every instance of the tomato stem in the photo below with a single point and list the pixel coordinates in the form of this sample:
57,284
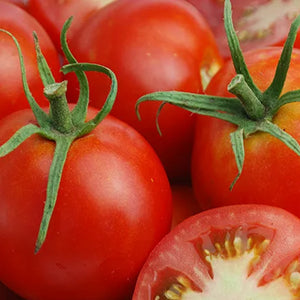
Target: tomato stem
61,125
253,107
60,114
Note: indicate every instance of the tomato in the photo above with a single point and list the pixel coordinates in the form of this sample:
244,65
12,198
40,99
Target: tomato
259,23
52,14
6,294
150,50
113,206
21,24
271,170
184,203
233,252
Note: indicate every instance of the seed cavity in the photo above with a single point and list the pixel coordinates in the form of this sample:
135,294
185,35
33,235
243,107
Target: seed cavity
231,264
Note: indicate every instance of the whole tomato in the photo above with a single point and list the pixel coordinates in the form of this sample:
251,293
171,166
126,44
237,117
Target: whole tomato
259,23
150,50
234,252
247,139
52,14
22,25
84,197
271,170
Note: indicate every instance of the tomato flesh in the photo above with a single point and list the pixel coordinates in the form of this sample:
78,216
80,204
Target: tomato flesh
236,252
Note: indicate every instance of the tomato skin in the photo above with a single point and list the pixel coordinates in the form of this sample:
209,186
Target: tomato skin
21,25
113,206
154,51
259,23
271,170
176,254
52,14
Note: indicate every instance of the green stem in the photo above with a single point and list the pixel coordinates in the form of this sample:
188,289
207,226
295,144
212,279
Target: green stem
60,114
253,107
61,150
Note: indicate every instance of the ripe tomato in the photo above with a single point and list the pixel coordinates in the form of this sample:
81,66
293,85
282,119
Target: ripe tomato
271,170
184,203
21,24
236,252
259,23
150,50
52,14
113,206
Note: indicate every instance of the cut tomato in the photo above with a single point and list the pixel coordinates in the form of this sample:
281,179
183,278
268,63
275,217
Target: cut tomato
236,252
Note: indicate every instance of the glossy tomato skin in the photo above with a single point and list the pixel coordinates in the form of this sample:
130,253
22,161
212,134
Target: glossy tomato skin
113,206
150,50
259,23
271,170
21,25
52,14
178,254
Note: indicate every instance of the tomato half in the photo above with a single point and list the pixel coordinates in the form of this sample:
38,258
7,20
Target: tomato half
259,23
150,50
237,252
52,14
113,206
271,170
22,25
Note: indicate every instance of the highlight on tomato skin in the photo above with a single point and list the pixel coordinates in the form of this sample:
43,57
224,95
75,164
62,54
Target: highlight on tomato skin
259,23
234,252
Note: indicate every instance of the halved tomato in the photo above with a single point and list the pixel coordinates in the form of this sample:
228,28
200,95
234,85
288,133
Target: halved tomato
237,252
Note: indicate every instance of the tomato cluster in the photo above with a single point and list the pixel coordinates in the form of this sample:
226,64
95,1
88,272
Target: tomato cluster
149,150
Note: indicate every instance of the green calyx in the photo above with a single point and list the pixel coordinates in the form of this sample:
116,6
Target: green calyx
60,125
252,110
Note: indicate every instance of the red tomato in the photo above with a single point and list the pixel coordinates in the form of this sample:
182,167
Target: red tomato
184,203
271,170
113,206
150,50
22,25
52,14
6,294
236,252
259,23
